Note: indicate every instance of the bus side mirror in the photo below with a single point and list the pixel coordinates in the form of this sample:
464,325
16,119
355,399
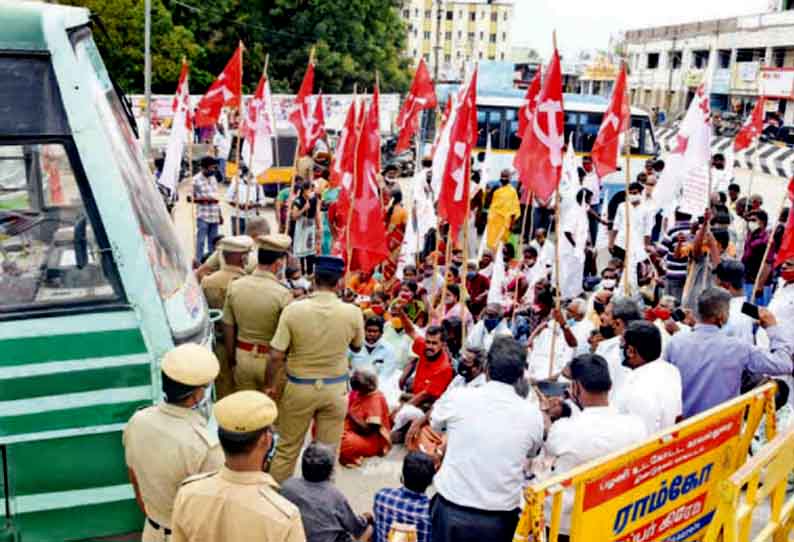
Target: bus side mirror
80,242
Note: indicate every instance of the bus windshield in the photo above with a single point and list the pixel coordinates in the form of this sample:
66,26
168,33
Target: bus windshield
162,248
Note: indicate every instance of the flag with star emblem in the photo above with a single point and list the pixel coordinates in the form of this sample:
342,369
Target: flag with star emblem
226,90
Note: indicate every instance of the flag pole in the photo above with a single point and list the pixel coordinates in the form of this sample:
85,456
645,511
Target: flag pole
627,207
295,159
768,248
752,175
358,129
236,228
190,166
520,255
447,258
558,236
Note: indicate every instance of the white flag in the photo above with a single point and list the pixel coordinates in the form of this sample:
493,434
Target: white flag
498,278
180,133
259,129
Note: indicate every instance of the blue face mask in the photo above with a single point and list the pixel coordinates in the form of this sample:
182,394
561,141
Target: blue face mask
571,322
491,323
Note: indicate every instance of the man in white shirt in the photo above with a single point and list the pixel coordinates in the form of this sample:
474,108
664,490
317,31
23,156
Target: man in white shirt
581,327
782,303
572,247
618,314
641,225
247,198
652,390
491,325
598,430
491,431
730,275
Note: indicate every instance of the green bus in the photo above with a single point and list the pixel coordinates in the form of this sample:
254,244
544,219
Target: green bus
94,287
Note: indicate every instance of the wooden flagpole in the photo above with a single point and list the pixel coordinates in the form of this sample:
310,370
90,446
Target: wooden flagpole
190,169
447,258
558,235
464,296
236,228
359,128
627,207
520,255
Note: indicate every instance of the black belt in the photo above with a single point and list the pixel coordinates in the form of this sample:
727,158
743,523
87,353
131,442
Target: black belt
312,381
157,526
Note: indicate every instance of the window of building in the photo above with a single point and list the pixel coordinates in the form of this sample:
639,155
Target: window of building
406,13
416,12
447,58
504,36
492,38
788,4
416,32
750,55
700,59
427,35
724,59
471,36
448,36
481,55
491,57
427,57
494,17
653,61
778,58
460,34
505,16
458,54
473,16
482,15
428,14
450,14
415,53
482,35
460,14
501,56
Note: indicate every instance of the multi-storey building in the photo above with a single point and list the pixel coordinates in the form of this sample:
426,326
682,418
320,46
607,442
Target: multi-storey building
740,58
450,33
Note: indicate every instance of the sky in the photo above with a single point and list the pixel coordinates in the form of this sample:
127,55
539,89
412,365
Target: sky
587,24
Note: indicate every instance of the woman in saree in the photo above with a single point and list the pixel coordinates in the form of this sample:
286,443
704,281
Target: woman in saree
367,431
396,222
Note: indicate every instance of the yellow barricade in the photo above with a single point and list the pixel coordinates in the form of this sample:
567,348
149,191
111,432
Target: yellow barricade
663,489
763,478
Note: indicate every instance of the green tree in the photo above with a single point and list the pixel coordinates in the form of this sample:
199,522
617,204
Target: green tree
122,45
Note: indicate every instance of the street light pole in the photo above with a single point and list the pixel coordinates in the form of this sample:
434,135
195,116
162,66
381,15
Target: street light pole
437,47
147,76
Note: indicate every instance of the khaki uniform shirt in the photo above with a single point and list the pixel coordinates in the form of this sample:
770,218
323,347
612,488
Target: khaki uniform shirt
216,284
254,304
214,262
231,505
163,445
316,332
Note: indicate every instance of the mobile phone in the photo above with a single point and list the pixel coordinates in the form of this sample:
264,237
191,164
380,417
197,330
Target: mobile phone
678,315
750,310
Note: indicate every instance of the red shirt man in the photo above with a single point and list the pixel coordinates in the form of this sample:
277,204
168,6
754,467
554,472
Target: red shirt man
433,371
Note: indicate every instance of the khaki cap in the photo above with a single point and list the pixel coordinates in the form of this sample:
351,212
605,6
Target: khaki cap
275,242
237,243
191,364
245,411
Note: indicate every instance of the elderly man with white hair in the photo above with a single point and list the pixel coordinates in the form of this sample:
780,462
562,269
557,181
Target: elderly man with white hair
491,325
581,326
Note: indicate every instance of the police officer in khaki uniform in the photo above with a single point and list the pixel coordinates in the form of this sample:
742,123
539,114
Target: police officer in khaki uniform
250,315
166,443
254,227
314,335
234,256
239,502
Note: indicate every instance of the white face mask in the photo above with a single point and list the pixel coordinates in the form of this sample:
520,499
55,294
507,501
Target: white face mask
608,283
635,198
753,226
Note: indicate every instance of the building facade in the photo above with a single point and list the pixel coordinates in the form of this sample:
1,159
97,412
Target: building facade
741,58
450,33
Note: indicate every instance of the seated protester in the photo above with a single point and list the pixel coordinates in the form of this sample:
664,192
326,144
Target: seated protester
477,286
407,505
540,366
425,377
730,276
598,430
420,435
395,336
453,308
580,326
491,432
393,289
377,355
652,390
367,431
428,284
325,511
410,303
620,312
662,316
453,339
491,325
609,279
378,303
711,363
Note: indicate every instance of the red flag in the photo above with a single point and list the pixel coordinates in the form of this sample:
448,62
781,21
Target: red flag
454,195
181,100
367,228
786,250
318,126
421,96
343,167
616,121
539,158
526,111
752,127
225,90
305,116
441,125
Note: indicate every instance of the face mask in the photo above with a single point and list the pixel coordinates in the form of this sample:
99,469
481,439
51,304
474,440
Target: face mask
570,322
504,182
598,307
608,283
788,275
204,407
377,276
606,332
471,275
753,226
635,198
464,371
377,309
491,323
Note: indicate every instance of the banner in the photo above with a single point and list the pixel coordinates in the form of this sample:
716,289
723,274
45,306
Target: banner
695,193
776,82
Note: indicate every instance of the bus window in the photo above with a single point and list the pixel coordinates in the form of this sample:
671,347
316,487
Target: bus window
589,124
488,120
641,136
49,253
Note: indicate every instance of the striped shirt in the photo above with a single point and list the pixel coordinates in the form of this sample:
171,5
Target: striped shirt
206,188
676,267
